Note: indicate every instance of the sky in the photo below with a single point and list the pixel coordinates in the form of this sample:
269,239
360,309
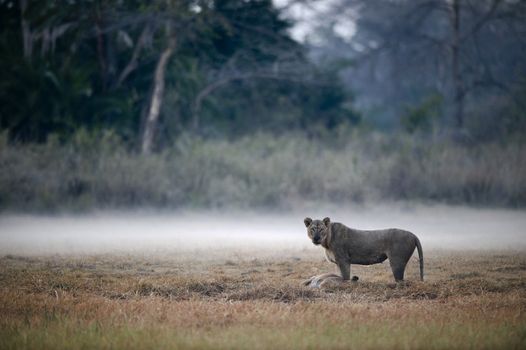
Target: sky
308,14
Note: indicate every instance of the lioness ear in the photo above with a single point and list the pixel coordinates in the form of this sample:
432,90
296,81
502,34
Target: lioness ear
327,221
307,221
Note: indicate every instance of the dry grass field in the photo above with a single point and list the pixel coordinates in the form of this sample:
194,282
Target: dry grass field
470,299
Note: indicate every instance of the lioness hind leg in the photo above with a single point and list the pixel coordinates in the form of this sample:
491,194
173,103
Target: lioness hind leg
398,257
398,268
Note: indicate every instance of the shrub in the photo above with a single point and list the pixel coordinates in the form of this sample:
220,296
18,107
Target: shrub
260,171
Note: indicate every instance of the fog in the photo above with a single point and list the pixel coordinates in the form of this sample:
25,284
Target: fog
439,227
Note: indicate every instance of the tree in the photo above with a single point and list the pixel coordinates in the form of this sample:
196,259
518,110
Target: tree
148,70
406,51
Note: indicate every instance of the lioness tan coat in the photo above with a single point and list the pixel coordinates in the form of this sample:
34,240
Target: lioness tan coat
345,246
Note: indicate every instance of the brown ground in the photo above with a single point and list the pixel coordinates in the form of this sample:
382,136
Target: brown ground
469,300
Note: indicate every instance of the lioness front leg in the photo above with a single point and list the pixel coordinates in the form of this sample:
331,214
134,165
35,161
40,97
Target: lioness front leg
345,270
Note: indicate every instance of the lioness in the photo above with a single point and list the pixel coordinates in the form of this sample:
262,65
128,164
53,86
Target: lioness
345,246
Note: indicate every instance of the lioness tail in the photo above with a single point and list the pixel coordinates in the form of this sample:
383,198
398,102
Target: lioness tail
420,258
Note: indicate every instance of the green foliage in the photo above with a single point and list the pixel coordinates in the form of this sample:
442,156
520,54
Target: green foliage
422,117
72,76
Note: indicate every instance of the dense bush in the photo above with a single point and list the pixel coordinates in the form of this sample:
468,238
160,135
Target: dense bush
258,171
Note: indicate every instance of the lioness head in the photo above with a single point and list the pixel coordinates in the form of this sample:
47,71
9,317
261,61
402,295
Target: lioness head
317,230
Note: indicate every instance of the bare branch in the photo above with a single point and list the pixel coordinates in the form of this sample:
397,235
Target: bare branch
132,64
284,69
481,22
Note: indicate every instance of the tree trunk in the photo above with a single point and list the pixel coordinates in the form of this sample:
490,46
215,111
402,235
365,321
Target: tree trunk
458,83
27,37
156,99
100,54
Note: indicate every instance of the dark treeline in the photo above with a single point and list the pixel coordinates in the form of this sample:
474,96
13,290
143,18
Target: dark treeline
149,70
213,103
